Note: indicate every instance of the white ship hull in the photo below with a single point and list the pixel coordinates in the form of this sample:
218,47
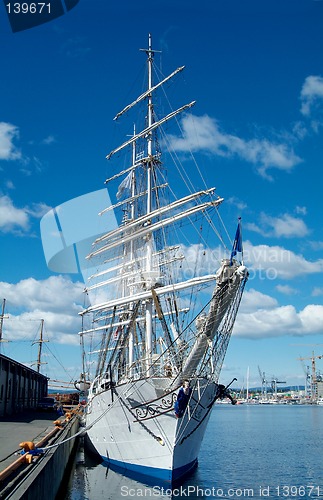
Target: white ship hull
147,438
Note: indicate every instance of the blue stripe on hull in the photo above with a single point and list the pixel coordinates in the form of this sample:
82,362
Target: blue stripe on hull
149,475
180,472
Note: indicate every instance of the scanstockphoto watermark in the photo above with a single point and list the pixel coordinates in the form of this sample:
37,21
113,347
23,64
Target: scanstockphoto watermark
195,491
192,491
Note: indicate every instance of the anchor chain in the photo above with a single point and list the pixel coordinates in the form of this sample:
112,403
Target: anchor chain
157,438
221,393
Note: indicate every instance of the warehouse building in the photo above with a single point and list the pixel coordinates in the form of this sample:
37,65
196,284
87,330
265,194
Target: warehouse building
20,387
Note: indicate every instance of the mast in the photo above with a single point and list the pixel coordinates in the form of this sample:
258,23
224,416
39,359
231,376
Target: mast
132,216
247,392
149,302
135,307
1,317
40,346
145,94
1,320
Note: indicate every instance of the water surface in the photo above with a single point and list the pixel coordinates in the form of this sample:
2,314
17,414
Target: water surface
249,451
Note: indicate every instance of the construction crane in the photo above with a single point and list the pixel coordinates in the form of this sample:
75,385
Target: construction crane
314,377
274,383
263,383
306,370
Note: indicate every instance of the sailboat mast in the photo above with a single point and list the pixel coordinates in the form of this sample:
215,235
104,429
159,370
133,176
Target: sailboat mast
40,347
150,122
150,55
1,319
132,216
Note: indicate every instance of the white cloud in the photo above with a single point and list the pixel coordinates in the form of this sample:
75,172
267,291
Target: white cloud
260,315
253,300
51,294
9,151
269,320
10,185
15,220
311,94
264,261
38,210
285,226
300,131
56,300
49,140
286,290
233,200
202,133
199,260
301,210
76,47
272,262
8,133
311,318
316,245
264,323
12,218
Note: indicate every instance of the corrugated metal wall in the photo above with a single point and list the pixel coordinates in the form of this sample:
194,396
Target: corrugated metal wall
20,387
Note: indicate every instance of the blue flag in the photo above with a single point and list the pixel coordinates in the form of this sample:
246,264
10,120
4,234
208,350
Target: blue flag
237,244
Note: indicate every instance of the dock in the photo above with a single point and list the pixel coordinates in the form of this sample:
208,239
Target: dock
27,476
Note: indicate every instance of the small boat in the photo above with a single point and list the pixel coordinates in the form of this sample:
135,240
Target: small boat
162,305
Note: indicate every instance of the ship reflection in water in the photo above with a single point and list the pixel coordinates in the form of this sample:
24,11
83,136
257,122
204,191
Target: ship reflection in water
239,458
93,480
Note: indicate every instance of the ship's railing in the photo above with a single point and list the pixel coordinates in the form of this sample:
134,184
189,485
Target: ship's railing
155,407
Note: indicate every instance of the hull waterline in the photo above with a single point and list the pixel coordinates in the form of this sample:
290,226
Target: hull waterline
148,440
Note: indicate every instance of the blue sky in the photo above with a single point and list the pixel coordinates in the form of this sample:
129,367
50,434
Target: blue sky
255,69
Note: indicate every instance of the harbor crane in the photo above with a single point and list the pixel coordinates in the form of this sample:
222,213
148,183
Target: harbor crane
306,370
314,376
263,383
274,383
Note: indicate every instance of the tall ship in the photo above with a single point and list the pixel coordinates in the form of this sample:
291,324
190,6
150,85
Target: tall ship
162,302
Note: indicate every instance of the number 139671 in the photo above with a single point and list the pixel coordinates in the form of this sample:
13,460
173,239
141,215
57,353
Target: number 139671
298,491
28,8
